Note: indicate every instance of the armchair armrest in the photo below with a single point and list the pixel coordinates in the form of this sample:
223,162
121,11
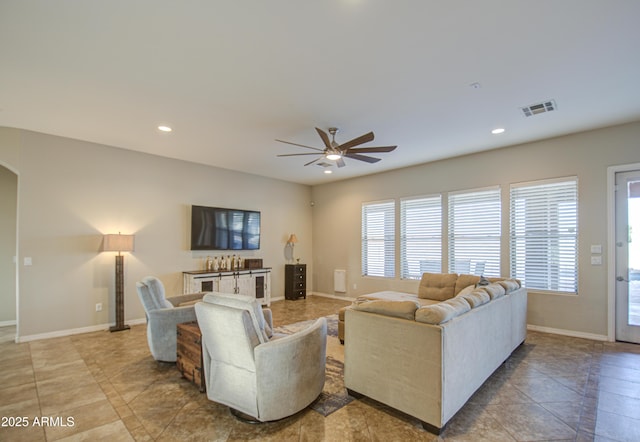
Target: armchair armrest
177,300
291,370
268,317
164,318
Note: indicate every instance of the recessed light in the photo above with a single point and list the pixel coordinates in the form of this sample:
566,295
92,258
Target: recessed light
164,128
497,131
328,171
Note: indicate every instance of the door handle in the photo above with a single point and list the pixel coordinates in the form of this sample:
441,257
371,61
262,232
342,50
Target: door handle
621,278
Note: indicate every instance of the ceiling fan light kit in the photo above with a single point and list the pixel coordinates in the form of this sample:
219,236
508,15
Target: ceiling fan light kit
337,152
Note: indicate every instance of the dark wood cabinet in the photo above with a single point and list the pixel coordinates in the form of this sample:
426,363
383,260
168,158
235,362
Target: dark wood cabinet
295,281
189,353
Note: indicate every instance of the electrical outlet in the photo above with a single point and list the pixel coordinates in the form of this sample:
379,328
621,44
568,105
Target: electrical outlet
99,307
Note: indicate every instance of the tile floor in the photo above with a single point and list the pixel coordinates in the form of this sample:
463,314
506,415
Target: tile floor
106,386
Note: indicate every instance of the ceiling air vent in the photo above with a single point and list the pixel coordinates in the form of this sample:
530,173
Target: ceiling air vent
539,108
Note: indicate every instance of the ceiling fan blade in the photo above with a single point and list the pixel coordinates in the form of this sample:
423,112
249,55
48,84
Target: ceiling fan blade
295,154
357,141
372,149
311,162
340,162
300,145
365,158
325,138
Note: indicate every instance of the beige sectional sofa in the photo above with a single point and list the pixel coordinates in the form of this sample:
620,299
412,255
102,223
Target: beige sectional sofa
426,354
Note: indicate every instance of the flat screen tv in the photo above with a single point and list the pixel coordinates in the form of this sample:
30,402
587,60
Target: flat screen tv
215,228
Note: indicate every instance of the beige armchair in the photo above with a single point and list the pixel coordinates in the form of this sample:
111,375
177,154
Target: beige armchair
163,315
260,376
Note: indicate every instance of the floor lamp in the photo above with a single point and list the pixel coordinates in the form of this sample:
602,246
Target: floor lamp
118,243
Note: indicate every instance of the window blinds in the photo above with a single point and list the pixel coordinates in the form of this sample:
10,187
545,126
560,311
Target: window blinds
474,232
544,234
378,239
420,236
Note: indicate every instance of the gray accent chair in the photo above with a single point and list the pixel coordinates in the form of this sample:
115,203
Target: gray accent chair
259,376
163,315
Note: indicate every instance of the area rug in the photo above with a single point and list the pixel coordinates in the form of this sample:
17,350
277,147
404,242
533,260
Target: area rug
334,395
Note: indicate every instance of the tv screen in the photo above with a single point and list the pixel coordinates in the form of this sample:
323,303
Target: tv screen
215,228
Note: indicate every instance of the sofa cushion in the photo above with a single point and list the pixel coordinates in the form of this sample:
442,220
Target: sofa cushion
399,309
475,297
443,311
464,281
494,290
510,284
388,295
437,286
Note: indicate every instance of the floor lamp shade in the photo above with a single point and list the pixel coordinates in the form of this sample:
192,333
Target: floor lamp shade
119,243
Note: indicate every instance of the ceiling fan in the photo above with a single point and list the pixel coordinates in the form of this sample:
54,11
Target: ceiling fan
337,152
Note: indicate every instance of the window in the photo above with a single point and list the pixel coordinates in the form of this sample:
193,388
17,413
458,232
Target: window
544,234
378,239
420,236
474,232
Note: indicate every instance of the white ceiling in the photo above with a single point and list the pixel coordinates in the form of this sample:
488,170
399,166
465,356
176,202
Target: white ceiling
232,76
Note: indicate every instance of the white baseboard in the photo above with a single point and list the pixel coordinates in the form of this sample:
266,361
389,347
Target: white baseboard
7,323
572,333
75,331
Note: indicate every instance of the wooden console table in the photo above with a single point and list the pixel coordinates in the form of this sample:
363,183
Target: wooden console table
251,282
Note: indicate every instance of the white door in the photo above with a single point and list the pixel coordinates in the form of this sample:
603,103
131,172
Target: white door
627,259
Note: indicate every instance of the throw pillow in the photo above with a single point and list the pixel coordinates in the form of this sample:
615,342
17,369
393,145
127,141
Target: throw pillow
437,286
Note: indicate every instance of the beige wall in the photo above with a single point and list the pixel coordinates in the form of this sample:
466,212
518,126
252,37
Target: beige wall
8,202
337,206
72,192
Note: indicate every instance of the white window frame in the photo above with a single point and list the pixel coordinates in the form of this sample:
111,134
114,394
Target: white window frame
543,235
474,231
420,236
378,238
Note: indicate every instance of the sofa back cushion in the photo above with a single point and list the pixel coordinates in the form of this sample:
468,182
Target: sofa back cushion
510,284
465,281
474,296
443,311
437,286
